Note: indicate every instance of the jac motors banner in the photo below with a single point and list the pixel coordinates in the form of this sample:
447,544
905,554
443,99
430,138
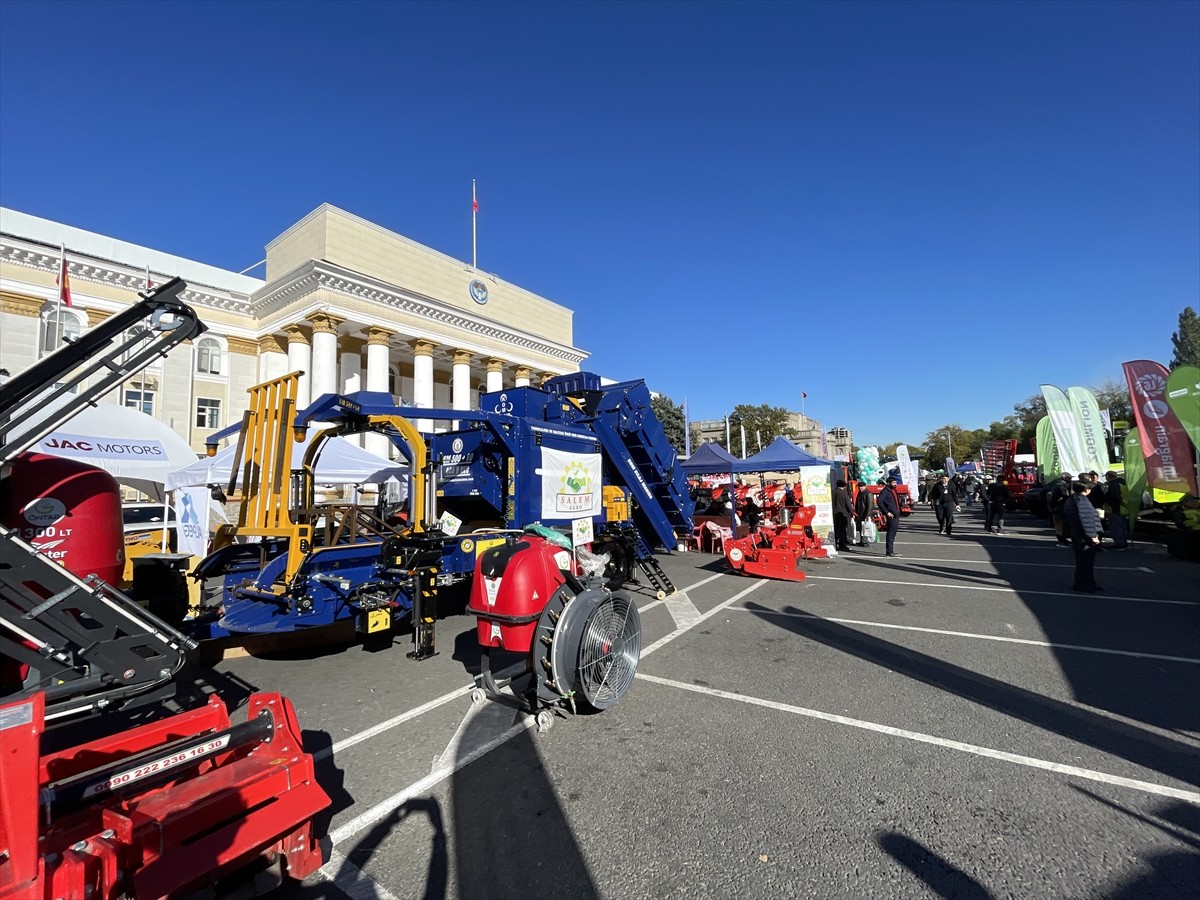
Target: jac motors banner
1170,461
88,446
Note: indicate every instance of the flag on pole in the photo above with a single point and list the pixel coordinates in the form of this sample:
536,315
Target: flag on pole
64,281
149,283
803,395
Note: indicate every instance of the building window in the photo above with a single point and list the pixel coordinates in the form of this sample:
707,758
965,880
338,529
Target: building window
208,413
143,401
209,356
58,326
394,381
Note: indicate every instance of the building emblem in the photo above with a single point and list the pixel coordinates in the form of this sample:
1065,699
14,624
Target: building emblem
479,292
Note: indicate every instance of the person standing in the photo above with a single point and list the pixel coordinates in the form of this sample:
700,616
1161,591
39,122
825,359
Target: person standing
1056,498
751,514
945,504
1114,511
984,500
998,496
1084,527
889,505
843,512
864,511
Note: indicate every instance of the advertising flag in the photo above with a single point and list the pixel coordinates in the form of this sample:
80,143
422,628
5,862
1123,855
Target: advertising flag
1047,450
1170,461
905,462
1135,475
1066,431
571,484
1091,429
1183,396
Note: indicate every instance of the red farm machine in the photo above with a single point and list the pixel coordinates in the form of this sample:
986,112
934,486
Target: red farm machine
1000,461
114,780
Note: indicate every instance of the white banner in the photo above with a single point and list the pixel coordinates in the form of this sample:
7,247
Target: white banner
570,484
191,521
814,482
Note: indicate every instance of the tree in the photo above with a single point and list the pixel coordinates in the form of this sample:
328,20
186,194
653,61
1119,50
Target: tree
1186,340
767,422
1114,396
670,414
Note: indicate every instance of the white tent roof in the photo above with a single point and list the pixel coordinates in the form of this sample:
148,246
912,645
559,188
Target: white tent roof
136,449
340,462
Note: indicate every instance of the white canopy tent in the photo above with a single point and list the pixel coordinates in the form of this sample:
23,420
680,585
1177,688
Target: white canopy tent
136,449
340,462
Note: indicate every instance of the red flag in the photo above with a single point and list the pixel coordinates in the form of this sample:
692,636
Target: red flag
474,205
64,283
1165,444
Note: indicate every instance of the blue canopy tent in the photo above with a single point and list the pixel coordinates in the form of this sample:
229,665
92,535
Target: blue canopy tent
969,467
781,455
710,459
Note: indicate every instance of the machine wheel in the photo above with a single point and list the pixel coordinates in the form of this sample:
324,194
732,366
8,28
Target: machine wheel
661,595
544,720
478,697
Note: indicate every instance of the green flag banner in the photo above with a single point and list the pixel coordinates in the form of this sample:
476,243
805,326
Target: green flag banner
1066,432
1183,396
1135,475
1047,450
1090,428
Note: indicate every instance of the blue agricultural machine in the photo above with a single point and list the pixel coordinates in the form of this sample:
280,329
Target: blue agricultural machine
543,458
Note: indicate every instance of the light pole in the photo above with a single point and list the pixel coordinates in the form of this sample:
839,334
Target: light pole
949,446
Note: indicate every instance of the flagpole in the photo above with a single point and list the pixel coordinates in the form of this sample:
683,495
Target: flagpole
62,268
474,214
687,430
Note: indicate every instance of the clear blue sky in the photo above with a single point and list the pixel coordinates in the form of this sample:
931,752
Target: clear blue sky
916,213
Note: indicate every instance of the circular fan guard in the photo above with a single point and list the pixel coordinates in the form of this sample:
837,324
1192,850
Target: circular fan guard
609,651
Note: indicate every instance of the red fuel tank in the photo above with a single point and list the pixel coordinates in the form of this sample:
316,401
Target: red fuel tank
512,585
69,511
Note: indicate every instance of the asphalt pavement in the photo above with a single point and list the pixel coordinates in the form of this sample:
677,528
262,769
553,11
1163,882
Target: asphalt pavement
954,723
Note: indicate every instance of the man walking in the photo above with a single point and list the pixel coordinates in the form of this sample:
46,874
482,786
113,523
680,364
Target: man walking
1056,498
998,496
1084,526
889,505
1114,511
843,512
945,504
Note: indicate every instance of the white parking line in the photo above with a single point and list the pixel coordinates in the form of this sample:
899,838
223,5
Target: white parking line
1029,761
1007,590
447,768
351,880
979,637
392,722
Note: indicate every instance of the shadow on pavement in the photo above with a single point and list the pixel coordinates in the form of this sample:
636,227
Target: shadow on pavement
1170,757
942,878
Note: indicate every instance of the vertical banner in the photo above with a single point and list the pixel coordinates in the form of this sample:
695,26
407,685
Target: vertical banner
1135,476
819,493
1066,432
1170,461
1048,460
948,462
1183,396
908,469
191,521
1091,429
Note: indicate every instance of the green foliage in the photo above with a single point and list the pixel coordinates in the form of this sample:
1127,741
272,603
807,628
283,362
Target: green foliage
1186,340
767,421
1114,396
670,414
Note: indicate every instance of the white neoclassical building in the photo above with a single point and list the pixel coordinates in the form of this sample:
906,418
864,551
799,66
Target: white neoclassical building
349,303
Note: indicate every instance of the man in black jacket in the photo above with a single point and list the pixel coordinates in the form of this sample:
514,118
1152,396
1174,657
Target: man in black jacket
889,505
864,510
1084,526
1056,497
944,498
843,512
998,496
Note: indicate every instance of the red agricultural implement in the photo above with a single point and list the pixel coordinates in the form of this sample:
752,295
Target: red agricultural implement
778,554
114,783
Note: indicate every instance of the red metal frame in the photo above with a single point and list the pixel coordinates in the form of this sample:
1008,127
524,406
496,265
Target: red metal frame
777,555
210,819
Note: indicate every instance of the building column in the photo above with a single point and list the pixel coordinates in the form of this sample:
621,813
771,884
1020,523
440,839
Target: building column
272,358
460,380
299,359
546,376
423,379
379,348
350,376
522,376
495,375
324,354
